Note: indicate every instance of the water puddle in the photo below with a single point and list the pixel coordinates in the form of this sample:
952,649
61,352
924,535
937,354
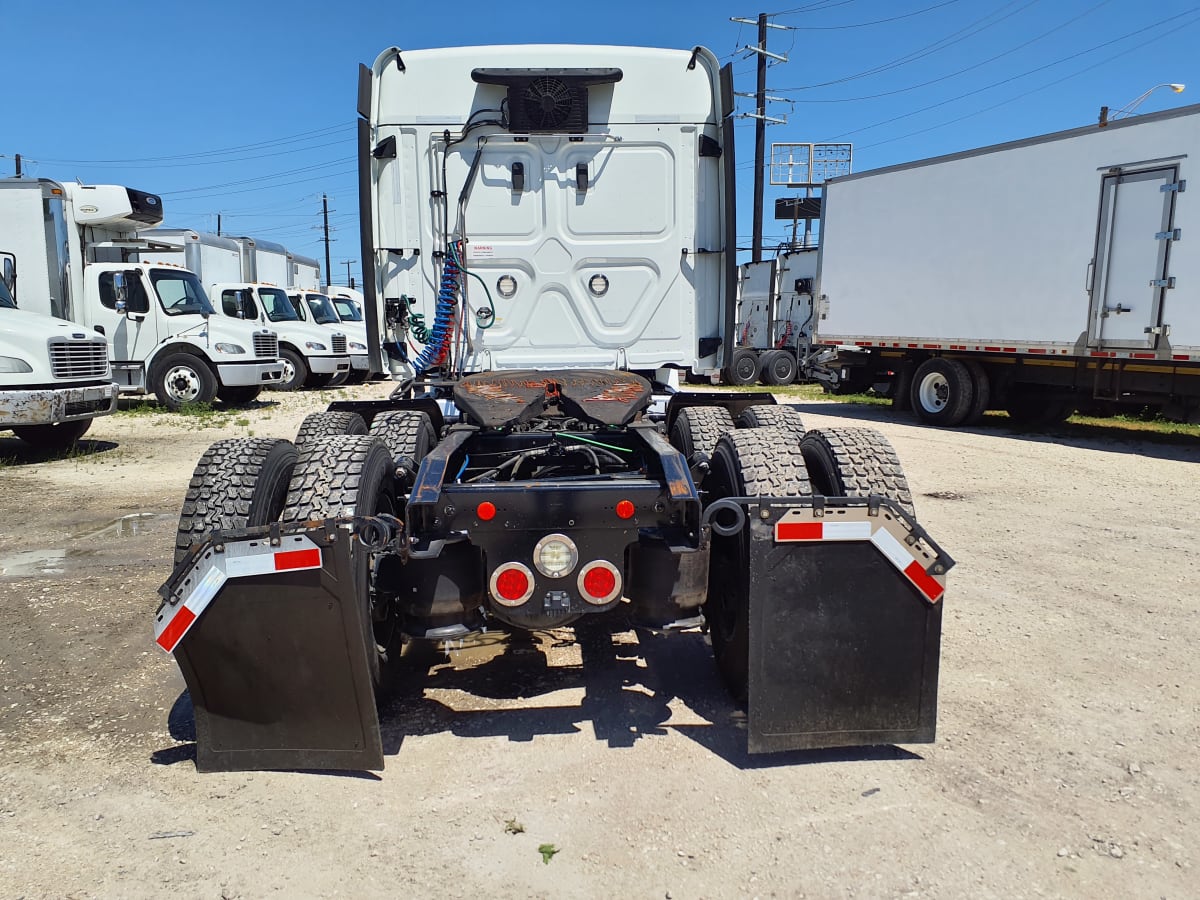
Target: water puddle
58,560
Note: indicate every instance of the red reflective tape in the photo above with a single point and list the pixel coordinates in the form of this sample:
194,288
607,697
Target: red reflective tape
184,617
1145,356
1010,349
932,346
1183,356
1037,349
798,531
925,583
298,559
862,343
992,349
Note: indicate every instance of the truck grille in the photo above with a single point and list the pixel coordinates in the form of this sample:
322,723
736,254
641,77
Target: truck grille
78,359
82,407
339,343
266,345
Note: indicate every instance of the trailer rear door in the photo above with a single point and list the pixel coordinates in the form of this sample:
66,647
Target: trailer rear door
1133,240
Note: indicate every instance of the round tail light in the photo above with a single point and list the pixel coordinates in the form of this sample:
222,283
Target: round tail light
511,584
599,582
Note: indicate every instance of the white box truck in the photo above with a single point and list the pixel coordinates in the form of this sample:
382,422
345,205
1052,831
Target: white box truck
54,376
77,243
313,306
227,268
1038,276
304,273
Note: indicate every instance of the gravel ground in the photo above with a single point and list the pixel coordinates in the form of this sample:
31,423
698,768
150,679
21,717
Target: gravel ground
1065,765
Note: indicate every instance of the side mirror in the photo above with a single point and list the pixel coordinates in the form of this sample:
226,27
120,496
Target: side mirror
10,273
120,292
121,306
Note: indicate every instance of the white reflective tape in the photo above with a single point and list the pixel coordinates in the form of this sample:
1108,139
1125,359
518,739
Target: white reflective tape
846,531
205,590
256,564
892,549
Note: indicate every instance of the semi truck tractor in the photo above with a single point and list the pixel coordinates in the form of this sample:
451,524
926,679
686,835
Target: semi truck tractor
774,318
54,376
1039,276
545,238
228,269
79,246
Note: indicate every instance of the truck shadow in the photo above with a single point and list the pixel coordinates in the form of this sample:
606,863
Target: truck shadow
628,692
1085,435
15,452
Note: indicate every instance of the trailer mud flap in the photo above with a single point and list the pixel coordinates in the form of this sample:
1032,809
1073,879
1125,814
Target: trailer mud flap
845,626
271,638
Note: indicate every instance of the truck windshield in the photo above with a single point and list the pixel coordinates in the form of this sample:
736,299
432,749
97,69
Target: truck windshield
180,292
279,308
347,310
321,309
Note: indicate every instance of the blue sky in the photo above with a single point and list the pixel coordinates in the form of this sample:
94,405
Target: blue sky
247,109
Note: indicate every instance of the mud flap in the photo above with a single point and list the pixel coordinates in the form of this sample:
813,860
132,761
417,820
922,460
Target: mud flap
271,639
845,626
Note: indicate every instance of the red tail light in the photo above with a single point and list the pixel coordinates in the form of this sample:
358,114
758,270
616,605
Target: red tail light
599,582
511,584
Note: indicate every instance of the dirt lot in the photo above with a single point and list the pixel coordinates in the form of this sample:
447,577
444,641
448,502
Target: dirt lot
1066,762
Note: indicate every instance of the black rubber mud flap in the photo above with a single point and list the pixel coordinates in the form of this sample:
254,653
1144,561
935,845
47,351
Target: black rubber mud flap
845,626
276,664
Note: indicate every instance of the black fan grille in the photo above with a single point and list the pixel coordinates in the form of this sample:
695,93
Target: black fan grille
548,103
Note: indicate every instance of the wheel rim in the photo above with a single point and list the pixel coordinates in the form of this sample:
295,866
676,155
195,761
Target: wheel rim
745,368
934,392
183,384
782,369
289,371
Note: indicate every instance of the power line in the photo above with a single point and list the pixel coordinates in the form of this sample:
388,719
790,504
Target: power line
260,178
874,21
321,177
206,162
970,68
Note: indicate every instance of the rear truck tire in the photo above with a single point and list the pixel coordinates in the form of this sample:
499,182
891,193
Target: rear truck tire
772,415
855,462
182,378
238,395
778,367
748,462
981,397
698,428
351,475
357,376
238,483
317,380
1031,406
328,424
743,368
941,392
406,433
58,436
295,370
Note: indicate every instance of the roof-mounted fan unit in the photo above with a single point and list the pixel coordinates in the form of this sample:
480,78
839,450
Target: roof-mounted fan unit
544,101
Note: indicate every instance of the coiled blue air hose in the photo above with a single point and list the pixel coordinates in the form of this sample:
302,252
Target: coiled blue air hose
443,318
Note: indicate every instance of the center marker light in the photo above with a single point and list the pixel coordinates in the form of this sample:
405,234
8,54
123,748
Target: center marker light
625,509
486,511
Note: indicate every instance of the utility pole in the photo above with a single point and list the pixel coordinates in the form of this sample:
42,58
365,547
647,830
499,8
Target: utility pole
761,120
218,224
348,263
18,161
325,217
760,137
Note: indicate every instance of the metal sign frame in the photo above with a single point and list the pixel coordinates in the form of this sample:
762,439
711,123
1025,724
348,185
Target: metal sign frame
809,165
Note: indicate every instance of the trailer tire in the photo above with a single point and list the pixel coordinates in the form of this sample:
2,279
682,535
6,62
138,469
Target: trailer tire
351,475
772,415
295,370
238,395
941,392
406,433
327,424
981,397
182,378
238,483
698,428
743,368
855,462
747,462
57,436
778,367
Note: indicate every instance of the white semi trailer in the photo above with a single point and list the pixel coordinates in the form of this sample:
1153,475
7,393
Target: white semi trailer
304,273
54,376
1039,276
78,244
